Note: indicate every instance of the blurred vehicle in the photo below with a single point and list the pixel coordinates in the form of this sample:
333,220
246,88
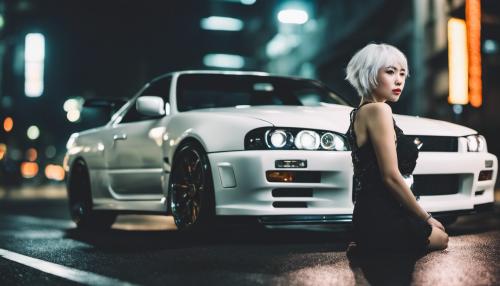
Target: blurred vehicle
202,145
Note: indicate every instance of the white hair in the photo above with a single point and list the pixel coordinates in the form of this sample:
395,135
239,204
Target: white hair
362,70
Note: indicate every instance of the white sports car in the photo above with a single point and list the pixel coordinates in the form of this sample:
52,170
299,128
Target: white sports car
201,145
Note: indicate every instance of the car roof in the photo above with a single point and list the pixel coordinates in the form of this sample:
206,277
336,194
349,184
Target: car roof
228,72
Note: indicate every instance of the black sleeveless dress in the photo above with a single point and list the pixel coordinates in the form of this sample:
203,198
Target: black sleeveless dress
380,222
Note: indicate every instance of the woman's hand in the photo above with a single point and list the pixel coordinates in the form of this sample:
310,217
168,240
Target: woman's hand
434,222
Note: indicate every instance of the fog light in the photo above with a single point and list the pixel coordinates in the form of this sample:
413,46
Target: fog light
485,175
280,176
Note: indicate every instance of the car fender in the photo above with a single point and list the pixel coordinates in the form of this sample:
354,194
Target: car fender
216,132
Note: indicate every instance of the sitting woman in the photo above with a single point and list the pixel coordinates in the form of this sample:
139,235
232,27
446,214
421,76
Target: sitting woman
386,214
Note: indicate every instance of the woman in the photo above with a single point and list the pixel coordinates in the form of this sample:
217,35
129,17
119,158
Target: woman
386,213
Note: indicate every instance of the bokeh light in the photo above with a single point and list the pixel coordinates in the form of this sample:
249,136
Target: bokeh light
29,169
33,132
31,154
3,150
70,104
8,124
34,56
73,115
293,16
50,151
248,2
15,154
54,172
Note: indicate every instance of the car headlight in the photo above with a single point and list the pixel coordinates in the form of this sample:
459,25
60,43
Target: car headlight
332,141
307,139
294,139
476,143
277,139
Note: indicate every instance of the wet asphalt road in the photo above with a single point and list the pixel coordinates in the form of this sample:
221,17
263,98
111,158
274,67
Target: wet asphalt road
148,251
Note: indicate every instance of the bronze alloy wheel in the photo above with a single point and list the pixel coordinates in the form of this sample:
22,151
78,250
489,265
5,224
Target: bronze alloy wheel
80,201
191,188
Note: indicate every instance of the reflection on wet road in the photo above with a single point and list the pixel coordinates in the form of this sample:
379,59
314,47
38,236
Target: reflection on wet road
148,250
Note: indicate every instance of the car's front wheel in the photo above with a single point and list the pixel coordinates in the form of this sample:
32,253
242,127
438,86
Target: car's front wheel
80,201
191,193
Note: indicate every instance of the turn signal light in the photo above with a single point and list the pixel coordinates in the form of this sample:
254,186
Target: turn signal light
280,176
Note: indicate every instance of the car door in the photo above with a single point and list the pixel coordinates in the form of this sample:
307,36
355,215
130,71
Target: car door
134,159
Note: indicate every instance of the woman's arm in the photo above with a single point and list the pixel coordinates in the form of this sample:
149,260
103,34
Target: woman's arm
380,129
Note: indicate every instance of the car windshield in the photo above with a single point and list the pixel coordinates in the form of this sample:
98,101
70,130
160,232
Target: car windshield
197,91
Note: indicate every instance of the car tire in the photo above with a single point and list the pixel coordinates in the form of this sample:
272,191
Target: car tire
191,191
80,201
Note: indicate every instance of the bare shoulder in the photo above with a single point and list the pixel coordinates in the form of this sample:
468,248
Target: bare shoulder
379,113
379,109
376,110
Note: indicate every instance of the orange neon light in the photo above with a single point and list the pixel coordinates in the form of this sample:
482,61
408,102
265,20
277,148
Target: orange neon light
473,22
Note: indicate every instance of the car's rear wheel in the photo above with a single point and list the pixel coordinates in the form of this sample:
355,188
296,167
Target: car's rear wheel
191,193
80,201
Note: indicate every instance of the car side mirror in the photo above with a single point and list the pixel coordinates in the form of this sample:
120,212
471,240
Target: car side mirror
150,105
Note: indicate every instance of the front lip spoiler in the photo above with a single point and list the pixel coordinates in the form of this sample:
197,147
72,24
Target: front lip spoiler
480,208
347,218
330,219
305,219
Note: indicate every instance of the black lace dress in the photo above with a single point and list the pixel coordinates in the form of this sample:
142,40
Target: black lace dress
379,220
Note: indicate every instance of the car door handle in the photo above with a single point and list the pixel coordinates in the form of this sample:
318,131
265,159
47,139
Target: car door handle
119,137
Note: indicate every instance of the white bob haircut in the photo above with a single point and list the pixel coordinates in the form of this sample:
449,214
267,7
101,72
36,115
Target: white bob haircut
362,70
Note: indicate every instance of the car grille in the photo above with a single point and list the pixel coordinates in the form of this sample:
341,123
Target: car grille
437,143
434,185
291,193
290,204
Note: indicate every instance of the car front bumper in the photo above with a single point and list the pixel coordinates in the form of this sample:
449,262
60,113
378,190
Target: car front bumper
242,189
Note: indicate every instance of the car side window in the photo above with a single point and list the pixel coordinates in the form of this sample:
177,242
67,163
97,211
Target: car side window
159,87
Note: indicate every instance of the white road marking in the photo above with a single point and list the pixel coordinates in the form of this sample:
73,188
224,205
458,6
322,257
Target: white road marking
68,273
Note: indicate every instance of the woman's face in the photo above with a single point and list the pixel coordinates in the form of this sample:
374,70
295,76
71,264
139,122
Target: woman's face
391,82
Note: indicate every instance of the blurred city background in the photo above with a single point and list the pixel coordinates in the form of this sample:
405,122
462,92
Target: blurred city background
56,54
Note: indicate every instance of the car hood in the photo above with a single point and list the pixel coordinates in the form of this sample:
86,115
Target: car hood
336,118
